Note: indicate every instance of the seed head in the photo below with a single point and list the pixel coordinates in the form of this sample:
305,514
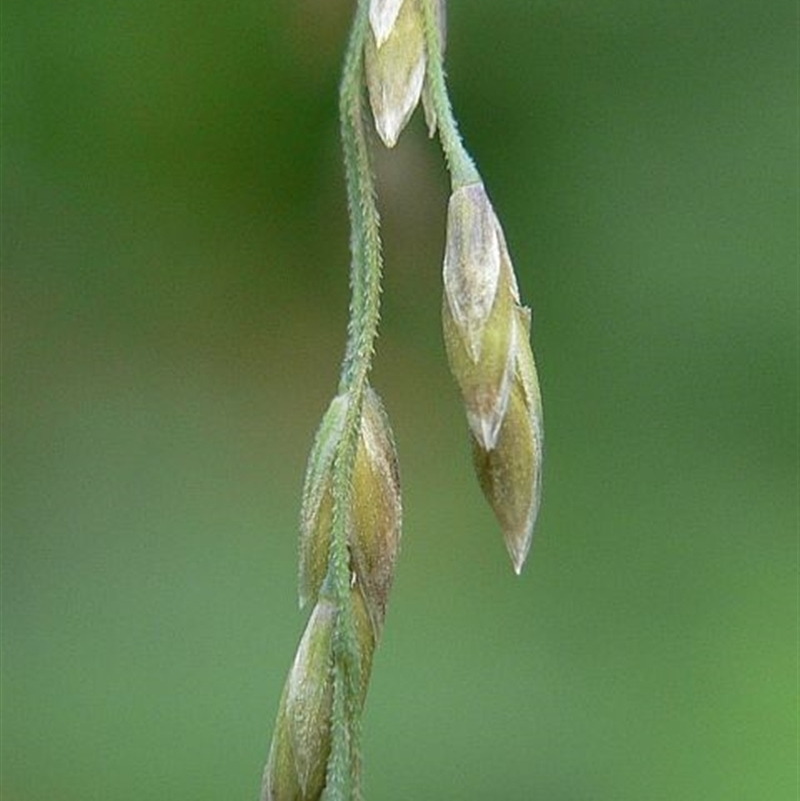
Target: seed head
375,515
377,510
480,298
510,473
394,60
316,513
301,744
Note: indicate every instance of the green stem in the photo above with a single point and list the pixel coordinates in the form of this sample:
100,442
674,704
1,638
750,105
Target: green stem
365,243
343,772
462,168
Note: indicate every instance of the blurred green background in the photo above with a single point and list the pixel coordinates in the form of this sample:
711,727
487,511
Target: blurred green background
174,302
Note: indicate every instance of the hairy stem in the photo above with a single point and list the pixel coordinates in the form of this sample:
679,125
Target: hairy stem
460,164
343,771
365,244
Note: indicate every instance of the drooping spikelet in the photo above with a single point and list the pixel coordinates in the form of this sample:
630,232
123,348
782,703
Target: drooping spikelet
487,337
374,519
301,743
395,63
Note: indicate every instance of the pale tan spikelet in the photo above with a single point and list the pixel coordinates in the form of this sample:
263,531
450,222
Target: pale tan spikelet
301,743
395,71
376,520
510,474
480,298
316,513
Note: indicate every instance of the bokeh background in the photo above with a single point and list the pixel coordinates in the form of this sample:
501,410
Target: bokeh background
174,302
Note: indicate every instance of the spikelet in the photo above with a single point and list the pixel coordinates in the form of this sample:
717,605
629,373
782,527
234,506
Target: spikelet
301,743
510,474
375,517
395,63
486,335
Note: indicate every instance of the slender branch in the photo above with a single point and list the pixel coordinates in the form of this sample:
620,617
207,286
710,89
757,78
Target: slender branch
351,514
343,772
366,266
460,164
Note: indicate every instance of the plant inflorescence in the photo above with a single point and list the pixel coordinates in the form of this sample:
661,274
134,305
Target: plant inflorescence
351,509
